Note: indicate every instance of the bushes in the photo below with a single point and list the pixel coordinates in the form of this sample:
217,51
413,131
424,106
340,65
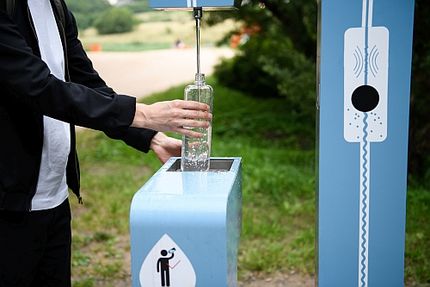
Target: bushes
419,137
278,59
87,11
139,6
269,66
115,20
101,15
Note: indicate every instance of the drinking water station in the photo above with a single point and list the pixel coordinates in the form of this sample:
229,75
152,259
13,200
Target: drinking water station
185,221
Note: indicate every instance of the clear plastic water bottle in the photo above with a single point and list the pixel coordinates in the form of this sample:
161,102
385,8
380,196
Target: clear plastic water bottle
196,151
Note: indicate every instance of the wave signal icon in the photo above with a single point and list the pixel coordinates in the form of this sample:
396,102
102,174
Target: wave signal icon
359,62
373,61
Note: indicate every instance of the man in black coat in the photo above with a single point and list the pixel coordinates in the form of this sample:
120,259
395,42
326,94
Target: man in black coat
47,86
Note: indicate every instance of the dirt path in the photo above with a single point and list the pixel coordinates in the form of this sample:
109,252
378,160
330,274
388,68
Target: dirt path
142,73
275,280
278,280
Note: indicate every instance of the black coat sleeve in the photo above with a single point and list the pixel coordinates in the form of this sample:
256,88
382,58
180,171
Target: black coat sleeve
26,77
82,72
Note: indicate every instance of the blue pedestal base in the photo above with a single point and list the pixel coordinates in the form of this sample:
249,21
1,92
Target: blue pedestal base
185,226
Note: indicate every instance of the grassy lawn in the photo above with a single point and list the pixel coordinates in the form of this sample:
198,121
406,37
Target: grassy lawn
158,30
278,194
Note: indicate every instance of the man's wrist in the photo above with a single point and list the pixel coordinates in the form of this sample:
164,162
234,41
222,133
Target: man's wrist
141,116
157,140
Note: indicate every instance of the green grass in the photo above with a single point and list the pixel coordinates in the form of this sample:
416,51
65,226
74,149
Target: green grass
418,237
278,193
134,47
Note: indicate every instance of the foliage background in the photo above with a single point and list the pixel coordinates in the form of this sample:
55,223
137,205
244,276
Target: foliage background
86,11
115,20
419,140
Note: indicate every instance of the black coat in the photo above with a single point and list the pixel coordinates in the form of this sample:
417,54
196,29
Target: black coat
28,91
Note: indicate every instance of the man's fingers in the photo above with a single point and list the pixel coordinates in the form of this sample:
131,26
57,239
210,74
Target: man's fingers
191,105
187,132
193,123
192,114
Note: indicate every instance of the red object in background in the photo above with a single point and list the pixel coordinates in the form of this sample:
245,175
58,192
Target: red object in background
235,40
243,35
96,47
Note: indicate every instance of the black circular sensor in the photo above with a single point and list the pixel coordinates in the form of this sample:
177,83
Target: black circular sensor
365,98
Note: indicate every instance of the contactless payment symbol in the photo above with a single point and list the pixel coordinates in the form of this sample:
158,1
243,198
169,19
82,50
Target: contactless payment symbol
166,265
365,109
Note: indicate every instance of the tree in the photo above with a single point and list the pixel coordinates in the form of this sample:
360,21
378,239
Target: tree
419,136
115,20
84,11
279,57
138,6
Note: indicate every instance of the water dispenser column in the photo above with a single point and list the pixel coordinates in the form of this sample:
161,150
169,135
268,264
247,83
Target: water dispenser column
363,140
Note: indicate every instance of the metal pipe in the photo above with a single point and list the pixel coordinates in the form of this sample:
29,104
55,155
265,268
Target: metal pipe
198,13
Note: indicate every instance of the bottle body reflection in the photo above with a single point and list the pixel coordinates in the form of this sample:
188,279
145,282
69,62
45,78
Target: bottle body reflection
196,151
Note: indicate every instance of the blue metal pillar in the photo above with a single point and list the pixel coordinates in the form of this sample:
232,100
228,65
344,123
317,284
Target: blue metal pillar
365,49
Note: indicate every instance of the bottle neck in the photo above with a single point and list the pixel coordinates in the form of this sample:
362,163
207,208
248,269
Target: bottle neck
200,79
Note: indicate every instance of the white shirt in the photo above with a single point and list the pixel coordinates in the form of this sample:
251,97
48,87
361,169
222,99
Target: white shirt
52,188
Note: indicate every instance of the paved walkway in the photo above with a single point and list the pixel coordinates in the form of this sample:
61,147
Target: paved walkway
143,73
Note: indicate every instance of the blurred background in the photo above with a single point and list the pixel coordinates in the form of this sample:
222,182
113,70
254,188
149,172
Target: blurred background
262,65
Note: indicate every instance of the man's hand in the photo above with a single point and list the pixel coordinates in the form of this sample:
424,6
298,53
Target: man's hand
165,147
173,116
